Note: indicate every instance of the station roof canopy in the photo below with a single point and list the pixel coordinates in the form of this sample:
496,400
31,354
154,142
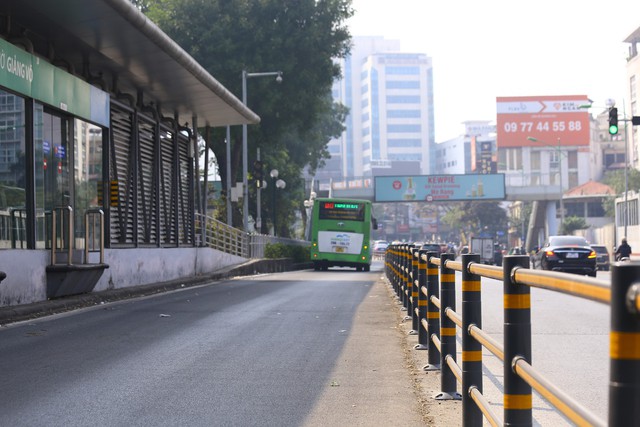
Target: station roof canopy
114,40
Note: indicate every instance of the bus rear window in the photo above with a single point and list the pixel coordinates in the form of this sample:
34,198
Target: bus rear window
341,211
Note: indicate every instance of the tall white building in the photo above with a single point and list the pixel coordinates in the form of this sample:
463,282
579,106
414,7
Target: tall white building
633,95
390,127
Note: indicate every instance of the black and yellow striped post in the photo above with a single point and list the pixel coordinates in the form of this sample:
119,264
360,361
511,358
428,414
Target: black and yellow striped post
471,349
423,332
387,263
448,381
624,346
394,266
517,343
407,278
433,314
406,294
403,277
413,291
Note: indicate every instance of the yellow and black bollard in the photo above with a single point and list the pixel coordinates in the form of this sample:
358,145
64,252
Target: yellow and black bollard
471,348
624,345
517,344
433,314
423,331
448,381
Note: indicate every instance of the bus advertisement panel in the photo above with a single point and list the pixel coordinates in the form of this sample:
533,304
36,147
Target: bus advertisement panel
340,233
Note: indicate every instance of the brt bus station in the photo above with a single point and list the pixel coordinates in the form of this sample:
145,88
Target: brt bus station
98,129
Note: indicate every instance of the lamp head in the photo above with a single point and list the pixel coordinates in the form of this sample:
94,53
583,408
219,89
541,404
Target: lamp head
279,77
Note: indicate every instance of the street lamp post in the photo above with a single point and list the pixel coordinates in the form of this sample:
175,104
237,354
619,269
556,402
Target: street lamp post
245,159
560,154
277,183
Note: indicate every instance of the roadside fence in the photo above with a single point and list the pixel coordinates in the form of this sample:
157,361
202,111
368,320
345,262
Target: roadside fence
217,235
425,284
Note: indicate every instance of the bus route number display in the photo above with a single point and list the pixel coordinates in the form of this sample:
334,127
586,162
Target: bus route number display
341,211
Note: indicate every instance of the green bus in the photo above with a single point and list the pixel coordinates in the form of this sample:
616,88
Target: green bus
340,233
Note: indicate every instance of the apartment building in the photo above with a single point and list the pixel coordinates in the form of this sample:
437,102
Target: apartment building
390,128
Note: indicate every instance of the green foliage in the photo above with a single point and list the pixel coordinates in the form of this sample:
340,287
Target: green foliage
302,39
616,180
476,217
572,224
281,250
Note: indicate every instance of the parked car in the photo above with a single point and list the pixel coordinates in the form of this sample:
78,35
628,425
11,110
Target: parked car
602,257
569,254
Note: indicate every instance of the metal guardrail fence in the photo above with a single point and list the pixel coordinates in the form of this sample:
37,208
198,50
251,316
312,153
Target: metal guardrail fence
217,235
425,283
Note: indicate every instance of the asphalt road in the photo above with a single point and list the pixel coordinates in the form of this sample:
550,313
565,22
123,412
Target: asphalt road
299,348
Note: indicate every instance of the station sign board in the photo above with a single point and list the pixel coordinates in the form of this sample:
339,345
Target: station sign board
433,188
551,120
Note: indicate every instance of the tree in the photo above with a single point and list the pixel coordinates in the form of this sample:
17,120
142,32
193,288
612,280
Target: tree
302,39
616,180
476,217
573,223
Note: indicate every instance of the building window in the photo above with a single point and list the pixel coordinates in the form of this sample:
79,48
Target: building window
595,209
404,142
403,99
573,179
403,114
574,209
535,160
404,128
572,159
402,84
402,71
510,158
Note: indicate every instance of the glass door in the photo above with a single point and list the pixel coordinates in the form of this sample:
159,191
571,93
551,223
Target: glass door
53,176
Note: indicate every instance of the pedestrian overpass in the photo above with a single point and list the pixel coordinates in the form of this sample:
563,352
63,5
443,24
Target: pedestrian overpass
518,187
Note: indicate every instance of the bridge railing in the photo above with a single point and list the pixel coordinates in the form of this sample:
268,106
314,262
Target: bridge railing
425,283
217,235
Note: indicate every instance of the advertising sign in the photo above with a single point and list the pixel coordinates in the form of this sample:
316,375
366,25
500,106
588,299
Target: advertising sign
340,242
552,120
30,75
431,188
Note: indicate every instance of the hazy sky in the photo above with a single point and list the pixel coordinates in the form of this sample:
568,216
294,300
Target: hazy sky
485,49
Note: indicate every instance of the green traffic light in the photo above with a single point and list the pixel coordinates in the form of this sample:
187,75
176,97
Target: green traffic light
613,129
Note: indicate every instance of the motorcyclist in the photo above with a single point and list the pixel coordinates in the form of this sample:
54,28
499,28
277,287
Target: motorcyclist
623,251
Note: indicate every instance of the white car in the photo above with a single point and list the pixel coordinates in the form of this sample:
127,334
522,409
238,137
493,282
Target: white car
379,246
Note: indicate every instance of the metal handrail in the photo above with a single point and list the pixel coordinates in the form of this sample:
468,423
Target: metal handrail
436,297
89,219
54,234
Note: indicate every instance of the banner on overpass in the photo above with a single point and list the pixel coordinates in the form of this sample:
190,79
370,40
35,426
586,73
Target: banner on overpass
431,188
552,120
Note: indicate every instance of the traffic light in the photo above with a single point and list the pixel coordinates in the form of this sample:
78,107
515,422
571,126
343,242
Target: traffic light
258,172
613,121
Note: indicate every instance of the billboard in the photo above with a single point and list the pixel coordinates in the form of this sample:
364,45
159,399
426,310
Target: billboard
552,120
431,188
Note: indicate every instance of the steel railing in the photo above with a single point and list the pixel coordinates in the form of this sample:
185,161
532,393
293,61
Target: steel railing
217,235
425,284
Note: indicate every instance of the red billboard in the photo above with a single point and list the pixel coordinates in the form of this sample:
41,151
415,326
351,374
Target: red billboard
549,119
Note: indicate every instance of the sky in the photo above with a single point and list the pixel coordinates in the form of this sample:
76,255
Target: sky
481,50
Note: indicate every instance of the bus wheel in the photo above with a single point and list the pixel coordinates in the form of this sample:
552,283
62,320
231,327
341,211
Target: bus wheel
316,267
325,266
367,268
358,268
